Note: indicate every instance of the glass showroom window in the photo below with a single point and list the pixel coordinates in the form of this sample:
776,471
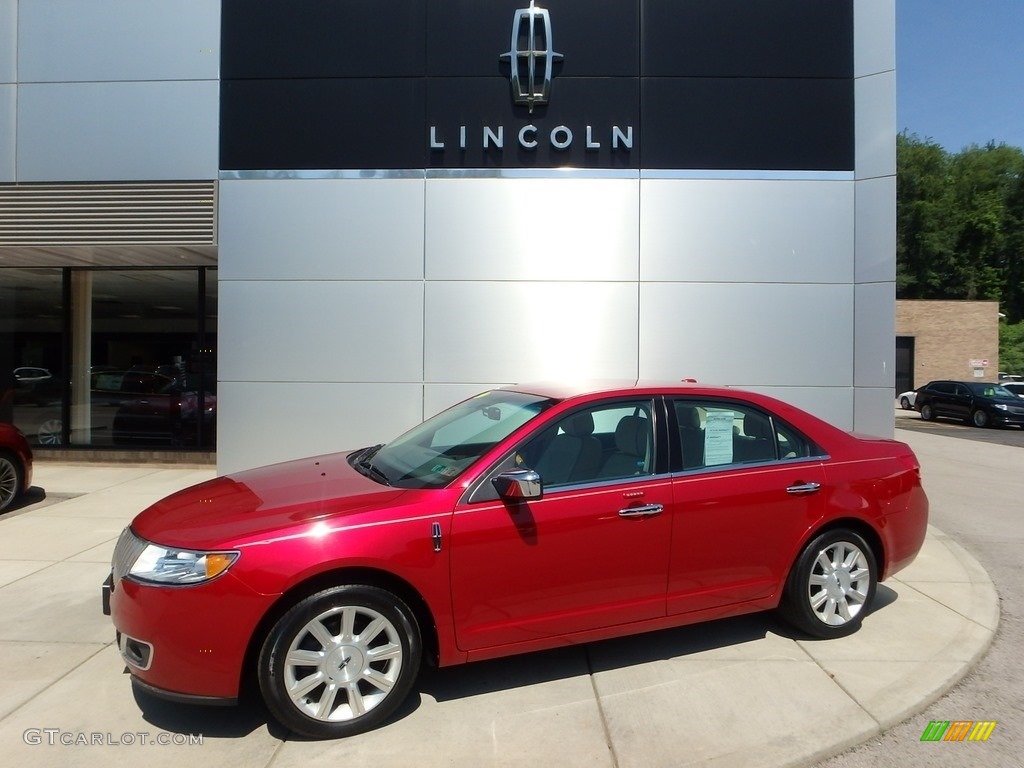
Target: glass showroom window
32,359
110,358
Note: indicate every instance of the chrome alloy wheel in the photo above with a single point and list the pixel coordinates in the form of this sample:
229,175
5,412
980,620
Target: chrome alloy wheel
343,663
9,481
839,583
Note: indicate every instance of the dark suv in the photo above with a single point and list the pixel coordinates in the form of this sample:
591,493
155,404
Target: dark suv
980,403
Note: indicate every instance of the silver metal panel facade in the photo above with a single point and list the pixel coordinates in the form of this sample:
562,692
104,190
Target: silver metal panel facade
257,420
748,334
876,230
746,231
321,331
117,131
525,331
874,37
875,121
118,40
875,318
8,131
8,41
574,229
323,229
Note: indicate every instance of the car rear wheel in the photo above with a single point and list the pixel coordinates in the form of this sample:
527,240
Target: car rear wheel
340,661
905,403
831,585
979,418
10,480
927,413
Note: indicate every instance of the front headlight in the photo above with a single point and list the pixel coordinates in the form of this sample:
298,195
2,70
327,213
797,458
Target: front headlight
169,565
1001,407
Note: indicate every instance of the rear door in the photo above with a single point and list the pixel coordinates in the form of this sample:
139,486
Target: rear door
750,488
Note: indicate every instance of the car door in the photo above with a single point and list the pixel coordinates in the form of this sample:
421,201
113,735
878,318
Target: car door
592,552
946,401
740,506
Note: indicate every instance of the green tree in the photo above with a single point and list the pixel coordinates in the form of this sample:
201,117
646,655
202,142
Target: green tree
1011,347
925,242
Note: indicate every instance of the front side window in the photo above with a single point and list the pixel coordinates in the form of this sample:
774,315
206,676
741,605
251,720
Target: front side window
606,442
441,448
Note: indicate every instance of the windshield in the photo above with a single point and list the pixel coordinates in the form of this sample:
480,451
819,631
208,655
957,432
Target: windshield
437,451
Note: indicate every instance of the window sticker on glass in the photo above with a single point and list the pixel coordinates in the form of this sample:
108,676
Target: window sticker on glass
718,438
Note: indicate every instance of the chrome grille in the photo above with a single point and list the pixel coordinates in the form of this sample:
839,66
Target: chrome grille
127,551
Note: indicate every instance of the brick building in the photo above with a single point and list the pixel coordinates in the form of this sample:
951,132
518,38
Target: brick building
946,340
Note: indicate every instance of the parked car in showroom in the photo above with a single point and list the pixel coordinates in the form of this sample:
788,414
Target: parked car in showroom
170,415
524,518
907,400
15,465
980,403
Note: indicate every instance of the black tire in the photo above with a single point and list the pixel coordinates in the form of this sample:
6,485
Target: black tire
10,480
979,418
905,403
927,413
345,691
831,585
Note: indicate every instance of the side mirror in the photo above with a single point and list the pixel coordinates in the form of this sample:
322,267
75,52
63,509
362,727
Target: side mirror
518,485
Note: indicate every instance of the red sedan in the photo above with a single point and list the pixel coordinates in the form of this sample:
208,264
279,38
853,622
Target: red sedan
523,518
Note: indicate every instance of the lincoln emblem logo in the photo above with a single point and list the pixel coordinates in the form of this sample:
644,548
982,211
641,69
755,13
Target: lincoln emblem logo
531,51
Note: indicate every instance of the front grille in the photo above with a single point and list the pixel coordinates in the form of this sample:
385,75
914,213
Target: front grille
127,551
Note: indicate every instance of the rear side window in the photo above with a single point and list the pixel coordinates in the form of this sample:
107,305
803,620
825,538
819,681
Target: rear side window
713,434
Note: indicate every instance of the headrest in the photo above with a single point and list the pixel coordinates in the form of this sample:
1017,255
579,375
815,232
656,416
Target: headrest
580,425
631,435
688,416
755,425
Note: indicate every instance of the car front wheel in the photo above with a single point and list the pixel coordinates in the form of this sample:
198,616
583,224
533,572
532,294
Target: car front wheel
905,403
10,481
340,661
831,585
927,413
979,418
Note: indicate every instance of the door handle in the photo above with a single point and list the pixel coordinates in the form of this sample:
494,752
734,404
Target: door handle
803,488
648,510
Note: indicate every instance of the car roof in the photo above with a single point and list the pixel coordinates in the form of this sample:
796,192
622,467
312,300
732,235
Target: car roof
564,390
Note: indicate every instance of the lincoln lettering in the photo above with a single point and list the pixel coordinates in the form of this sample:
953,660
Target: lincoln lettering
530,137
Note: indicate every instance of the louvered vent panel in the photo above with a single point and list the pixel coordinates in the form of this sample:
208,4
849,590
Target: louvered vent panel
178,213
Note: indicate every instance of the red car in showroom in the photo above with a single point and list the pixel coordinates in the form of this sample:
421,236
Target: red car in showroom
523,518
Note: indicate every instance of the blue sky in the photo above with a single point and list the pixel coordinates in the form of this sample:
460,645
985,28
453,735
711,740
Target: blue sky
960,71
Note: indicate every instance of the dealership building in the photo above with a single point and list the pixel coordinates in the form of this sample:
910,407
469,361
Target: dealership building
273,228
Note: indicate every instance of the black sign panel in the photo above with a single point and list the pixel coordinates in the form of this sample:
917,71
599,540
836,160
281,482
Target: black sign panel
668,84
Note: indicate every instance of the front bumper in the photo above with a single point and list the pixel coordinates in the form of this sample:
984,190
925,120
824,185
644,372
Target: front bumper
1004,419
186,643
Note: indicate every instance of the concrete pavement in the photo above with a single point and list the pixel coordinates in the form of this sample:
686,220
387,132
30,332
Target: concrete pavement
737,692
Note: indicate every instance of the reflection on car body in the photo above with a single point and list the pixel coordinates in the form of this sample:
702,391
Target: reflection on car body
524,518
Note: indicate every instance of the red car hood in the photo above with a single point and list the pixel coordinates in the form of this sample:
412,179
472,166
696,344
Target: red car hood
221,512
